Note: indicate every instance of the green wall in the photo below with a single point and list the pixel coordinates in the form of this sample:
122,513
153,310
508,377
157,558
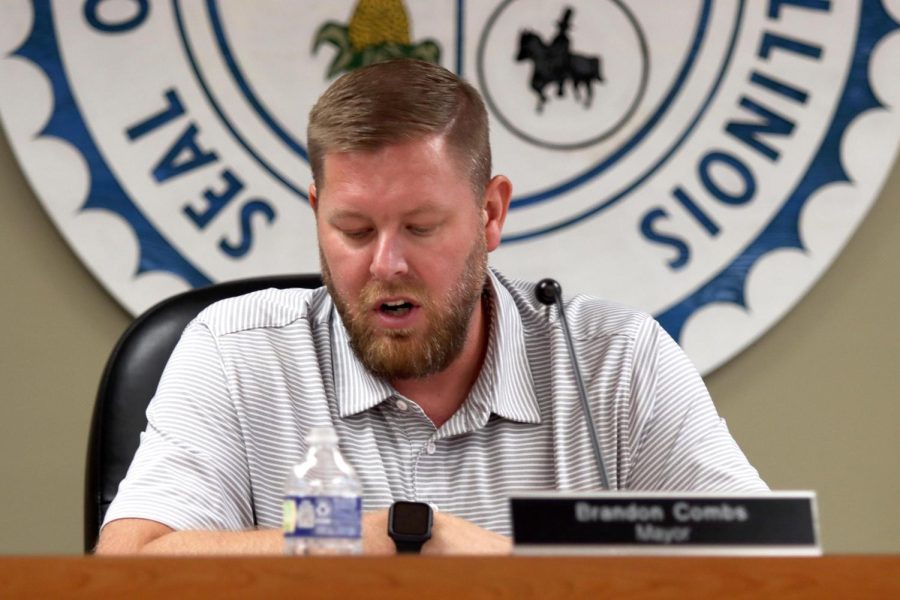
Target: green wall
815,403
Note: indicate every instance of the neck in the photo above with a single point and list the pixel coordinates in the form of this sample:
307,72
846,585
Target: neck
440,395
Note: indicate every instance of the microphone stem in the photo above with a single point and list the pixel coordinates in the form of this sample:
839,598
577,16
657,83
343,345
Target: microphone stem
582,393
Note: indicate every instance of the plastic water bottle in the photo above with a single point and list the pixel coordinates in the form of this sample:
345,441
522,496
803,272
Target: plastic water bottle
322,501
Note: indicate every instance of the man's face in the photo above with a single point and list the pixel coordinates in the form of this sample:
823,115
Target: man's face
404,254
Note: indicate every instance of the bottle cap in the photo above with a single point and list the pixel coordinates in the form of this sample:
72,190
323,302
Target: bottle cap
322,435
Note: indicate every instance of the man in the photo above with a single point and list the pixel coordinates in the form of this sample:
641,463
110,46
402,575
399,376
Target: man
447,383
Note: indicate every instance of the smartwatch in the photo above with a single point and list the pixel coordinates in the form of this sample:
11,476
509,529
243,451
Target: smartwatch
409,525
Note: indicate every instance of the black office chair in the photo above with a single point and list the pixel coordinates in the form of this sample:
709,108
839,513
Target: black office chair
129,382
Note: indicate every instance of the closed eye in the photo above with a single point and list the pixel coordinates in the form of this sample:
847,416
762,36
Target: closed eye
355,234
421,231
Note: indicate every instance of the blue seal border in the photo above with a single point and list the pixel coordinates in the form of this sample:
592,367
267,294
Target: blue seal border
155,252
783,231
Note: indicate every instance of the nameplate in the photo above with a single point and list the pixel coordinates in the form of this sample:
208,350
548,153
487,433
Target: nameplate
666,523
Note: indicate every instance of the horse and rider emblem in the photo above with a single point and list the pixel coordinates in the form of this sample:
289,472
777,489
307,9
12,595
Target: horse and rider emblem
557,64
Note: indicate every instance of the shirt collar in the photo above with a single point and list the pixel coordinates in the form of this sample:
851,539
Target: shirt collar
504,386
355,387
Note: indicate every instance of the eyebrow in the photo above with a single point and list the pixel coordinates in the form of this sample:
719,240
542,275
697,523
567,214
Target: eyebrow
345,213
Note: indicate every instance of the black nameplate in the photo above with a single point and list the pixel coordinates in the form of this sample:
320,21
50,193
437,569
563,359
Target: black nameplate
772,523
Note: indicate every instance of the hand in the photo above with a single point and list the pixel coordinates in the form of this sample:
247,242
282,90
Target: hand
452,535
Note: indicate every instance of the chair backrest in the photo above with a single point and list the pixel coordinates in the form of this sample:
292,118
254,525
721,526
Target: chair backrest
130,379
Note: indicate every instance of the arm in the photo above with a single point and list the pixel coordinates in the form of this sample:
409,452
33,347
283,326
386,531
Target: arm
190,471
681,442
142,536
451,535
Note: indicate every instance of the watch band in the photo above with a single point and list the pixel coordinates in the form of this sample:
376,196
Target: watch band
408,547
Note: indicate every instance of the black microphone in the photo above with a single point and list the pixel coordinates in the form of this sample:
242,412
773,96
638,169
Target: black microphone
548,291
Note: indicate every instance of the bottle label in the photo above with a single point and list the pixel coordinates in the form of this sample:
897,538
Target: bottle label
323,516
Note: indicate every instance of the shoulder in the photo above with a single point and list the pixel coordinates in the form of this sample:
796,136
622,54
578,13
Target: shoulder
588,317
591,318
270,308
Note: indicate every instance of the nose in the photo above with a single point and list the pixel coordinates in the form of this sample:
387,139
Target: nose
389,259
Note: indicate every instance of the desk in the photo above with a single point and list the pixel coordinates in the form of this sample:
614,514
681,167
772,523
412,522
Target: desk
454,578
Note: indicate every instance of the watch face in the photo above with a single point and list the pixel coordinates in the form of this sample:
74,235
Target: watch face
410,518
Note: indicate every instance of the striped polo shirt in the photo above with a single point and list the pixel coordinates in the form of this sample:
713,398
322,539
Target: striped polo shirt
251,375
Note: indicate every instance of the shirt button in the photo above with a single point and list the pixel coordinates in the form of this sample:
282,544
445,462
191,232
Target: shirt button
430,448
401,405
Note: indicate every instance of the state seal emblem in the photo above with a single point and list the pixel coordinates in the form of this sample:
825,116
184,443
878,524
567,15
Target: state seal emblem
705,160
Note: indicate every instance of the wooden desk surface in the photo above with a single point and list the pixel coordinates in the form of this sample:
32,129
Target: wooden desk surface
456,578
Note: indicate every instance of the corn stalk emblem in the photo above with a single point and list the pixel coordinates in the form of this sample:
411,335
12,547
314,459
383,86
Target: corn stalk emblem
378,30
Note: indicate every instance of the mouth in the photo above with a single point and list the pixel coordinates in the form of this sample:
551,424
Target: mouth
397,312
397,308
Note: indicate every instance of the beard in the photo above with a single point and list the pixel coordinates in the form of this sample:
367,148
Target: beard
408,353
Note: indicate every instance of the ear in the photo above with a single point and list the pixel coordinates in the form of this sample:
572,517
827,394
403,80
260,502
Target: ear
497,195
313,198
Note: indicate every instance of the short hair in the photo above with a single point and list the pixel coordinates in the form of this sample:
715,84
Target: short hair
400,101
